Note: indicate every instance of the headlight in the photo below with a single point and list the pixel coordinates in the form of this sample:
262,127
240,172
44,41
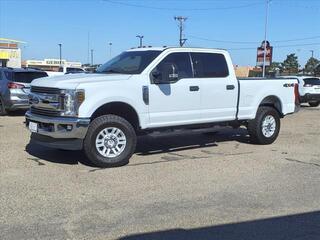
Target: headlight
72,99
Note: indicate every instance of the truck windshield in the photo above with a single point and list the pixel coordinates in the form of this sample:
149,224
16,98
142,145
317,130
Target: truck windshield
131,62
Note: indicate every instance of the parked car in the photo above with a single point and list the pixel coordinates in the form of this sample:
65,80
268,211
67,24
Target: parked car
148,89
15,87
309,89
66,70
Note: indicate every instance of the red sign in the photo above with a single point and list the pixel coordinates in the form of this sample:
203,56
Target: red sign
260,54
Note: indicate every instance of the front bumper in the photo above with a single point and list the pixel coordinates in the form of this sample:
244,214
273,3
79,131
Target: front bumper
59,132
309,97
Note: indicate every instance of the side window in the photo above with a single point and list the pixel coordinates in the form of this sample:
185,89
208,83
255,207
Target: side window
180,63
209,65
1,75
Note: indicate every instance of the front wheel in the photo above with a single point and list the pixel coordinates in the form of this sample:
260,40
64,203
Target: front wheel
314,104
110,141
265,128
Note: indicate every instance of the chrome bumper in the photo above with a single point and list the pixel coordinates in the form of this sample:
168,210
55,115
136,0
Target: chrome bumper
59,127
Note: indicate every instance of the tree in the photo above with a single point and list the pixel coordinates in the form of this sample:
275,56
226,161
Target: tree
311,65
291,64
274,67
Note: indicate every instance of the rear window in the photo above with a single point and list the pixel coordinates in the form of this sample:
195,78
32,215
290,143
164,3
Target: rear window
27,77
312,81
209,65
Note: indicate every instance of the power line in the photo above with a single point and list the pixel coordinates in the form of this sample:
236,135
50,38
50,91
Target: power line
181,9
279,46
256,42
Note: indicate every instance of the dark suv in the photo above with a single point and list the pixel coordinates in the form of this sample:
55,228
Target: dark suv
15,87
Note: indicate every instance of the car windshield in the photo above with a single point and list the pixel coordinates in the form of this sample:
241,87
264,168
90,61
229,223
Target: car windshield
27,77
131,62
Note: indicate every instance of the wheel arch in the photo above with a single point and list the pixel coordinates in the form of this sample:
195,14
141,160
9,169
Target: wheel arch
272,101
121,109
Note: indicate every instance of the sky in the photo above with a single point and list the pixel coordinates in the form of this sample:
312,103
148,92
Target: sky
236,25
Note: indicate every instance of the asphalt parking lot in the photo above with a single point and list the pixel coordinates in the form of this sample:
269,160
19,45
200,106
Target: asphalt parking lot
177,186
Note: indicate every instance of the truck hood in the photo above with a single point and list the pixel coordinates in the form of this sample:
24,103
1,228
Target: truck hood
71,81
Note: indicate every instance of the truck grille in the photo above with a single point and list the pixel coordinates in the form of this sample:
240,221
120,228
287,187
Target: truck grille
46,90
45,112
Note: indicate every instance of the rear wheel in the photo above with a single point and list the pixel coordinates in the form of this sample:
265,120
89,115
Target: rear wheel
314,104
265,128
110,141
2,108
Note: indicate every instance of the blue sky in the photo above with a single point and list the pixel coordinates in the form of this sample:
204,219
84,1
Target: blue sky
43,24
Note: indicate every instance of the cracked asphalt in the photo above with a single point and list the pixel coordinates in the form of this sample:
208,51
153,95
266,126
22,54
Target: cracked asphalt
184,185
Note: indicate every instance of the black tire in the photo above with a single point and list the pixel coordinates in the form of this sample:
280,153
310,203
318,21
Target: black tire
3,111
109,121
255,126
314,104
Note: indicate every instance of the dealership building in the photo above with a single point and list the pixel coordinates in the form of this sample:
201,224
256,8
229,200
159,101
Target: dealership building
50,64
10,53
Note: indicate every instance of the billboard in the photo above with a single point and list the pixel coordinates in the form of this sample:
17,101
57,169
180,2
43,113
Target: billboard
260,54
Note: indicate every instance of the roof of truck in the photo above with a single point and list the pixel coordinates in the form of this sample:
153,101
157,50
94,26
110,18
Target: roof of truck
149,48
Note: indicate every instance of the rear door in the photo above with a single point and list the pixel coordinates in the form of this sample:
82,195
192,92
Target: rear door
219,86
176,103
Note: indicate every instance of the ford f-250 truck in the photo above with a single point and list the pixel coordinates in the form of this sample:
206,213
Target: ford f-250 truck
148,89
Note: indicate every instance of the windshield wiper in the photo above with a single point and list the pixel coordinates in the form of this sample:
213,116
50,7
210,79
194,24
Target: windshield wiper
111,71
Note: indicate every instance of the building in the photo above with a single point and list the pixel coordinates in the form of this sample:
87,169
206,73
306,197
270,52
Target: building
50,64
243,71
10,53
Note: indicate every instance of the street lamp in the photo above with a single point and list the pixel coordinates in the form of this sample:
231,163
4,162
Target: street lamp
91,57
60,52
140,40
110,47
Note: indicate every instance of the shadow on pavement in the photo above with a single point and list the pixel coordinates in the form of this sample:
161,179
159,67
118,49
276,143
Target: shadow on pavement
17,113
146,145
305,226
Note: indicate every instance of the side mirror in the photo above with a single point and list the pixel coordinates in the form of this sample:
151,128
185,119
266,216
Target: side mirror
167,75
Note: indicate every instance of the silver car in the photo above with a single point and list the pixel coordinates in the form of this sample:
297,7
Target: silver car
15,87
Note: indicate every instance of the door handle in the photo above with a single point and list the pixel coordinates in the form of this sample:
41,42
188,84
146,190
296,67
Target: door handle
230,87
194,88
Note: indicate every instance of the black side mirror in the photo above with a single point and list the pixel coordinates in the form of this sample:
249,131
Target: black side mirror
167,75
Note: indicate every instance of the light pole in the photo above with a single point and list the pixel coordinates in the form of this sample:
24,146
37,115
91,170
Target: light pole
110,48
140,40
312,51
91,57
60,52
265,39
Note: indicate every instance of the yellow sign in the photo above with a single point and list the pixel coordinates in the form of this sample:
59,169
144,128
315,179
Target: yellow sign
4,55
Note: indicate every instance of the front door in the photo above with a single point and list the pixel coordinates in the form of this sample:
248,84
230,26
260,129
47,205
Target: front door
175,103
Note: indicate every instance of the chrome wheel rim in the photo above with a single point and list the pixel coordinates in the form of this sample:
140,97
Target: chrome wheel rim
269,126
111,142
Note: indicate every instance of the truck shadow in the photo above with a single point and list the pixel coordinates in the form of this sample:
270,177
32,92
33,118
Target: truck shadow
146,145
294,227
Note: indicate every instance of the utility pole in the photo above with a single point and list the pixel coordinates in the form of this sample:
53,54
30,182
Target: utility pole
181,21
140,40
312,51
91,57
60,52
265,39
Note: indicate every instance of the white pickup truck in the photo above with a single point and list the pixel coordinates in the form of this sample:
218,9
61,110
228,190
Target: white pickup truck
148,89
